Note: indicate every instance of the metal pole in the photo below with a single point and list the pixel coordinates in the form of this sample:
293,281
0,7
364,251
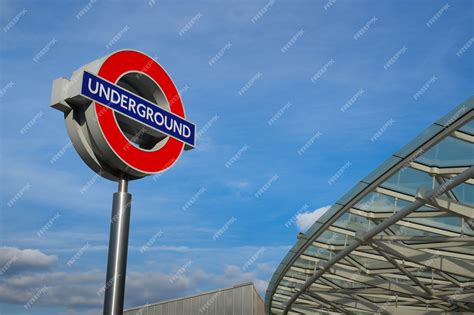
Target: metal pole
118,248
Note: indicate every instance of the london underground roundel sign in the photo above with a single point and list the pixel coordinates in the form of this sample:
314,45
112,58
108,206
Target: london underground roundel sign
124,115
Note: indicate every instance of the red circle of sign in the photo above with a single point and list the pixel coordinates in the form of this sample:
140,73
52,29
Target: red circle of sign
112,69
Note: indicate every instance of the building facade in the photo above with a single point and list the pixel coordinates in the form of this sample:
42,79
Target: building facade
241,299
400,242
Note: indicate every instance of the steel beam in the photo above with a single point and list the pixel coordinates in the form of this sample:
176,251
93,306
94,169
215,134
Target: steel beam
451,206
447,264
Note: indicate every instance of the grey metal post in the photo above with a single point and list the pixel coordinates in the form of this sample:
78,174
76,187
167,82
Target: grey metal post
118,248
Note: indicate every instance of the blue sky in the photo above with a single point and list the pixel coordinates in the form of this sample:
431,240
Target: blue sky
264,81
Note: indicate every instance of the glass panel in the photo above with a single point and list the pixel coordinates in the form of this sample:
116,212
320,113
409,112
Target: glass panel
406,231
385,300
425,272
370,263
352,222
377,202
298,275
426,208
332,238
318,252
461,278
468,128
465,194
450,152
409,180
349,283
284,285
304,263
450,223
393,278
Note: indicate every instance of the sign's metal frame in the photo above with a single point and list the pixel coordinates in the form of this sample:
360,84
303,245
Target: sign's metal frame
94,128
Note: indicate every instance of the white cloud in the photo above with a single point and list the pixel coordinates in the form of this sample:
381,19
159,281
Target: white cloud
266,267
13,259
83,289
306,219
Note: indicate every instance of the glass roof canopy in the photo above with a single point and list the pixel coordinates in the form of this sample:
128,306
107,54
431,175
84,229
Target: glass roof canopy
402,240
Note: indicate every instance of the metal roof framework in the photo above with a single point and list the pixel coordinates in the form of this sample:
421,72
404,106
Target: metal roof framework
401,240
